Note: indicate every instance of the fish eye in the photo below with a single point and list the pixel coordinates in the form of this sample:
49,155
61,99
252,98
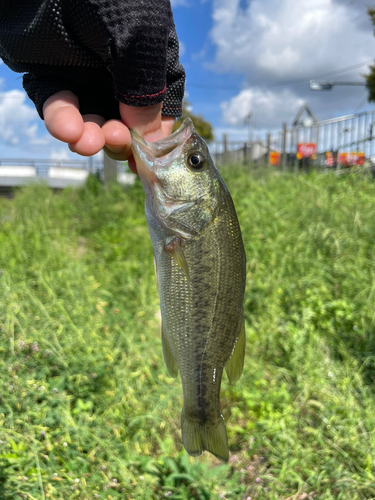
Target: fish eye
196,161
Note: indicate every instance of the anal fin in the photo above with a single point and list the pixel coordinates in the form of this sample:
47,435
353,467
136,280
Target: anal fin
235,363
168,356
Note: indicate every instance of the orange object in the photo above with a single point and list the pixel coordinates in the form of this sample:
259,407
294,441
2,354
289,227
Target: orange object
275,158
353,158
306,150
330,160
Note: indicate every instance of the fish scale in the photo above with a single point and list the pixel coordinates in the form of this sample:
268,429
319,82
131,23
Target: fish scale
200,269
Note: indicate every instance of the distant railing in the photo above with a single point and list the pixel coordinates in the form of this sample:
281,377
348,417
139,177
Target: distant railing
339,142
236,152
343,141
57,174
42,166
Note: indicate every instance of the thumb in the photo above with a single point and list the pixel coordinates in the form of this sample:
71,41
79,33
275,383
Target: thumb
146,121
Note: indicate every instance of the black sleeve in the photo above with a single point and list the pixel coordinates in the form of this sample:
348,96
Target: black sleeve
104,51
172,104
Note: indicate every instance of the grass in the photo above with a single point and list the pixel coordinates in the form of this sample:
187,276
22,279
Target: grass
87,409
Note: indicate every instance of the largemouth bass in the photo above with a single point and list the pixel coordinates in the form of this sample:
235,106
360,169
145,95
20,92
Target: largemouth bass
200,272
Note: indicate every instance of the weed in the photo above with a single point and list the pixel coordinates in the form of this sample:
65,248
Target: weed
87,409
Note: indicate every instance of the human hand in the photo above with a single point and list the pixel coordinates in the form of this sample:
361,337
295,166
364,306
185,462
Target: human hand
88,134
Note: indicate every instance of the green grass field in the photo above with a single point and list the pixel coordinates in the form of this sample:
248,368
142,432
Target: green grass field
87,409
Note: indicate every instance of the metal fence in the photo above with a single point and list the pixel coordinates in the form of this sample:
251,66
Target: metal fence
351,134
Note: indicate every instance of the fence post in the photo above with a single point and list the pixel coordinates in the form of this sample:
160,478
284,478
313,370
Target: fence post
110,169
268,149
292,140
245,153
296,149
338,144
225,143
284,146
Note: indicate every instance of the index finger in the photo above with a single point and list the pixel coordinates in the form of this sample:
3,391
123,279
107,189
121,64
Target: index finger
62,117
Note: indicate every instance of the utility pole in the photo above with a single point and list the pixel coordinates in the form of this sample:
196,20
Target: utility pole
250,117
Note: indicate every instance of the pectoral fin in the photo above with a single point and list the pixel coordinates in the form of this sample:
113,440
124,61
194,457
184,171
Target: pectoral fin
168,356
175,251
235,363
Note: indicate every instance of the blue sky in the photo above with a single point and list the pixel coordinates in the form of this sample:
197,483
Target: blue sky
206,86
241,57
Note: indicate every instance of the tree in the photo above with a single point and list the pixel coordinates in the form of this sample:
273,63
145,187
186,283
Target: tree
370,78
203,127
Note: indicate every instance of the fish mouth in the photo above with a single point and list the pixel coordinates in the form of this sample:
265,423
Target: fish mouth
146,155
164,146
145,152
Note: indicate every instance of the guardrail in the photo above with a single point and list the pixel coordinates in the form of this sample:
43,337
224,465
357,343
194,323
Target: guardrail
57,174
42,166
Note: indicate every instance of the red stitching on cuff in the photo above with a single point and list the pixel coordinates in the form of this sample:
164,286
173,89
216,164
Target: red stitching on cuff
146,95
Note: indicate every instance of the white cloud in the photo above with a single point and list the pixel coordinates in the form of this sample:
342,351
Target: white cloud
182,48
32,134
61,154
267,107
275,41
240,134
16,118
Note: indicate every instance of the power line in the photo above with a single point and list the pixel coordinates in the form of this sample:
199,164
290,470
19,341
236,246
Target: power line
279,84
336,72
360,105
346,69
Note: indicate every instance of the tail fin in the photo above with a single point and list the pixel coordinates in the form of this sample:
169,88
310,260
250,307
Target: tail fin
199,437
